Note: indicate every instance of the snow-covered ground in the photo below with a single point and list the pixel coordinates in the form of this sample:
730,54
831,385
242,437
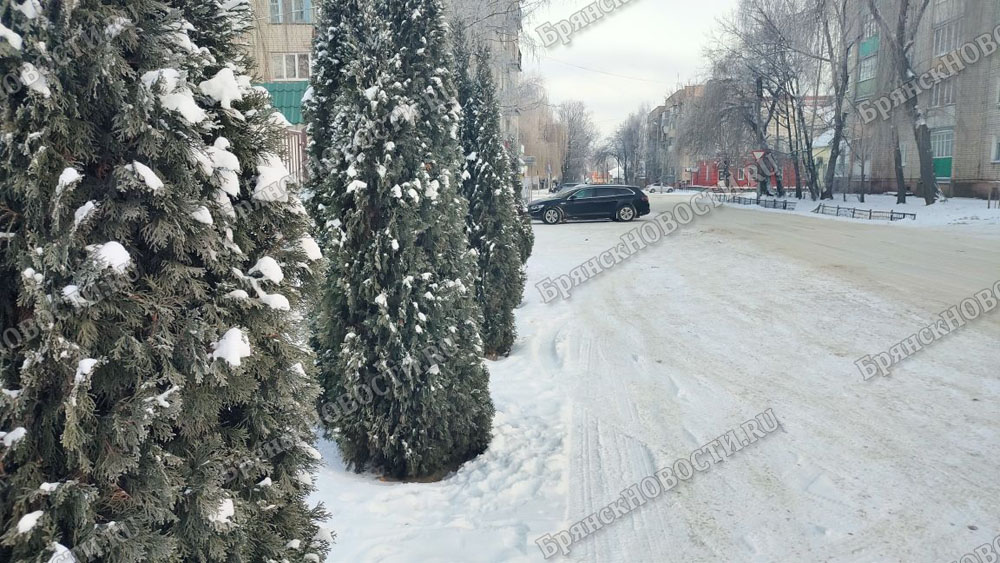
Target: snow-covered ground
734,314
953,211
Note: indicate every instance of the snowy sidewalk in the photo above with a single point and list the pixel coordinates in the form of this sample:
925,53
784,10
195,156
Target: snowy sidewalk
714,324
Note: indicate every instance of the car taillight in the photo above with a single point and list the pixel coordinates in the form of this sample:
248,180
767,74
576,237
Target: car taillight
645,197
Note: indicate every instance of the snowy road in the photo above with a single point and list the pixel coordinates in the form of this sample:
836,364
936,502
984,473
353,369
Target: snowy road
737,313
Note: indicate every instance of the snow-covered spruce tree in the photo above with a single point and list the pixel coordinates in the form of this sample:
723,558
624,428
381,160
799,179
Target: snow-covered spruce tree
494,226
154,377
406,394
270,258
331,125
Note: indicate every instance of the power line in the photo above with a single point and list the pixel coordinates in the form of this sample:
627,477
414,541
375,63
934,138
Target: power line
605,72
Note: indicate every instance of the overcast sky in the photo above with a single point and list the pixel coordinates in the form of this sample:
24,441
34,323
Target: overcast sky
637,54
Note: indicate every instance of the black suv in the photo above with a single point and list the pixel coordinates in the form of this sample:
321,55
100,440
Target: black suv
618,203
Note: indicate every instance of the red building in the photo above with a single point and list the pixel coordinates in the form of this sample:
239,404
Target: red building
707,174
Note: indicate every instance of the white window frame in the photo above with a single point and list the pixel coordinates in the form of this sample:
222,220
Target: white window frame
280,71
943,139
904,157
275,11
947,37
298,12
995,156
869,25
943,93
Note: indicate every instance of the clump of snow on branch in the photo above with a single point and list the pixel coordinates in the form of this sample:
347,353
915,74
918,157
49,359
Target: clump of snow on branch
232,348
146,175
112,255
174,93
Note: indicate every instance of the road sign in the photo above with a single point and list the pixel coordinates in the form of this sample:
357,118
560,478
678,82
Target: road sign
757,155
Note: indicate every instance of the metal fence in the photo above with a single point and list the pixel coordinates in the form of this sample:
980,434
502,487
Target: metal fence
767,203
869,214
295,157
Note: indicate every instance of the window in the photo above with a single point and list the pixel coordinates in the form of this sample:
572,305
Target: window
741,175
946,38
299,13
869,26
943,143
290,66
582,194
290,11
903,154
996,149
943,93
867,69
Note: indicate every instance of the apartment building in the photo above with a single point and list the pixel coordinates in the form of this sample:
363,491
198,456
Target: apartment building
962,112
281,43
669,164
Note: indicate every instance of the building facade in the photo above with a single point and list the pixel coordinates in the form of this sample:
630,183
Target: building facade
668,163
962,112
281,44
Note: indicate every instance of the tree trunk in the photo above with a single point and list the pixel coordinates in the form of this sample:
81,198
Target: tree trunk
898,161
831,167
928,180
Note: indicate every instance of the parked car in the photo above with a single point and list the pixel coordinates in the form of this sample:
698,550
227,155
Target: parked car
659,189
618,203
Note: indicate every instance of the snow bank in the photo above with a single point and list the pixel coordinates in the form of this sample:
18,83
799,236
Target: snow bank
950,213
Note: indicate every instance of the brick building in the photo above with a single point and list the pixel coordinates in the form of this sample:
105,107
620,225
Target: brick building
962,112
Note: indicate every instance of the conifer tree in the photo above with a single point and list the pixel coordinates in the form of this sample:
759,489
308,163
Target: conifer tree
159,393
406,393
526,235
494,227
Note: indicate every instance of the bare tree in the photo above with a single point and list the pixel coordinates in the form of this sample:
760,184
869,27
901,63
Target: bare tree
841,33
713,127
627,146
581,133
900,41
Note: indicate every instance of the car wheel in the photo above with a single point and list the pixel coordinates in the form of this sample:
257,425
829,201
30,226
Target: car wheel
551,216
626,214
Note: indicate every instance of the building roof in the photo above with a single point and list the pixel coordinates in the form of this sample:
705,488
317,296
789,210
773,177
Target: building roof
287,98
